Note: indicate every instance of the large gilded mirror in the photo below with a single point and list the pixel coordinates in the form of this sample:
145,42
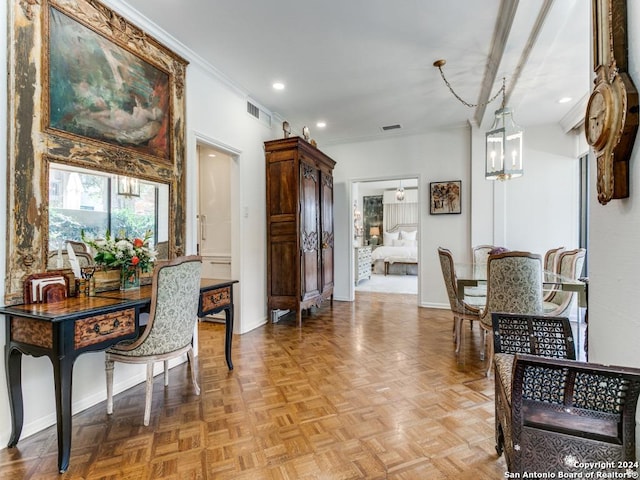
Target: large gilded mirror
94,101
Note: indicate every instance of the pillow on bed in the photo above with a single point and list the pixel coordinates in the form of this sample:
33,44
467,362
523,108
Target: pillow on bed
404,243
408,235
389,237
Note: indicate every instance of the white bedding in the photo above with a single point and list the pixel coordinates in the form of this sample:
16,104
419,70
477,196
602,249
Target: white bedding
385,251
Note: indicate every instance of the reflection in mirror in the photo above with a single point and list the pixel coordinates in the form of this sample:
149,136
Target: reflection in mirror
96,202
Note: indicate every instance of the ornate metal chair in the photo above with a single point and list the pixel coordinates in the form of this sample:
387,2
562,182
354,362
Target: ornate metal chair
514,285
564,415
169,331
570,265
468,309
522,334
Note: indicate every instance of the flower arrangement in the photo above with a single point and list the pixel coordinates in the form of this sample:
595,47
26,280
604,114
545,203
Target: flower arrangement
121,251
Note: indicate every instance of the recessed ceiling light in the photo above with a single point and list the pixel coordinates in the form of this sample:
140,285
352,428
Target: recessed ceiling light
321,124
565,100
278,86
212,155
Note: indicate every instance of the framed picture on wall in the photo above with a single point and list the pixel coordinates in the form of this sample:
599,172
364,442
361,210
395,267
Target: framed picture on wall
444,197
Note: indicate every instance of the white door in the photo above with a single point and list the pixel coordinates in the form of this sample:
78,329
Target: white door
214,212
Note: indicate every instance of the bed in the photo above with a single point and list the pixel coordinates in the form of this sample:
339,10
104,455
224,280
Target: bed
398,255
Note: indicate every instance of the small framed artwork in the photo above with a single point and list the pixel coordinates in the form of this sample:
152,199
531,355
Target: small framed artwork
444,197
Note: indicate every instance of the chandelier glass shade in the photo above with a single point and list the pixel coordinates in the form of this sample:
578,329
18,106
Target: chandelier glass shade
128,186
504,147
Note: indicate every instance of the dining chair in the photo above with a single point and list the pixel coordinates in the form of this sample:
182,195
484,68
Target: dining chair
514,285
480,253
561,415
468,309
551,265
169,331
570,265
522,334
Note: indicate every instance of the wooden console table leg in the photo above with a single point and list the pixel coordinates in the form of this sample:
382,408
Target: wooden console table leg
13,358
228,316
63,374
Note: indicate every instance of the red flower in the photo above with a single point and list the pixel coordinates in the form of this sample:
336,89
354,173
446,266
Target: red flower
137,242
135,260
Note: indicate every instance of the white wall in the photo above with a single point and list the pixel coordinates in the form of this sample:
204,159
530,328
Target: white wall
614,321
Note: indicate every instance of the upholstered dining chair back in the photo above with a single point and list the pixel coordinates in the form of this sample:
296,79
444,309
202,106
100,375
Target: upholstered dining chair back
550,264
568,416
169,331
480,254
514,285
570,264
460,309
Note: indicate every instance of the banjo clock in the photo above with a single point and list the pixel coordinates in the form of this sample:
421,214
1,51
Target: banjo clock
611,120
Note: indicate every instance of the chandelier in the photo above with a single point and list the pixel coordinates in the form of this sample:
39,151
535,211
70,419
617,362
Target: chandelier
128,186
400,193
503,157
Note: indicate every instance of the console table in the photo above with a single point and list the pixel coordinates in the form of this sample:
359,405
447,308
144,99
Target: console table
64,330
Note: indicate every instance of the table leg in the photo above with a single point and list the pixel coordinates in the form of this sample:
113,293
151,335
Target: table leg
228,330
14,383
63,374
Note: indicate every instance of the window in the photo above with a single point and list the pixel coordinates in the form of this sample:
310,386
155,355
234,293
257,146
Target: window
88,200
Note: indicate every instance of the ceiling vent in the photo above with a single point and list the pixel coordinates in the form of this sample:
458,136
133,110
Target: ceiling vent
387,128
259,114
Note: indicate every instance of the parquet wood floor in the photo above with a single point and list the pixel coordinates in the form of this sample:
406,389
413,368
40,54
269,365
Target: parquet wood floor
364,390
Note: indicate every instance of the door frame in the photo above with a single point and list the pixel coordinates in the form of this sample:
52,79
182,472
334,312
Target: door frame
396,177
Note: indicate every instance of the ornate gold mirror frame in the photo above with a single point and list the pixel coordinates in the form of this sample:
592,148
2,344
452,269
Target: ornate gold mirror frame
36,137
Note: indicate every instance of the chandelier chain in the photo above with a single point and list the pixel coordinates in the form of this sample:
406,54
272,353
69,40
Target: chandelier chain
473,105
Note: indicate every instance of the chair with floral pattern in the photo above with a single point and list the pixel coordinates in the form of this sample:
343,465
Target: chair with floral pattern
514,285
467,309
169,331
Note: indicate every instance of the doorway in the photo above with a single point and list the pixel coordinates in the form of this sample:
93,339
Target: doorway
214,212
386,223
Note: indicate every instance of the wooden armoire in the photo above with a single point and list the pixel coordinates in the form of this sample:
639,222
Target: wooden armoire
299,225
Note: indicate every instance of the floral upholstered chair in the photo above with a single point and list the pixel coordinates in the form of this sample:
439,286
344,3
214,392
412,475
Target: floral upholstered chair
514,285
570,265
467,309
169,331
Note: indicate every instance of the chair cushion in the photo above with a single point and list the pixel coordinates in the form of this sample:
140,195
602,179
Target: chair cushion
504,370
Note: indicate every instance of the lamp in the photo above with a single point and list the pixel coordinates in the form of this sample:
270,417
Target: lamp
128,186
503,157
374,233
400,193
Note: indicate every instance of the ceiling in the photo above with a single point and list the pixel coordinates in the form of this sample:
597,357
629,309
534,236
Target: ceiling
360,65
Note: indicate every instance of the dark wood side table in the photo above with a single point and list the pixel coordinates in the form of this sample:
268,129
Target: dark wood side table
64,330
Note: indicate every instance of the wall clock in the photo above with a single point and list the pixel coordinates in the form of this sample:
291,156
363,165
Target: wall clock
611,120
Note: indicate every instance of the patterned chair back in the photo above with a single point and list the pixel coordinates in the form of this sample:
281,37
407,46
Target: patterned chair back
449,276
570,265
551,259
174,308
481,254
514,284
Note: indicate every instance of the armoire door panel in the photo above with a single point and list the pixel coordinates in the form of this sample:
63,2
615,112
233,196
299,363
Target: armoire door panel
282,282
282,190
